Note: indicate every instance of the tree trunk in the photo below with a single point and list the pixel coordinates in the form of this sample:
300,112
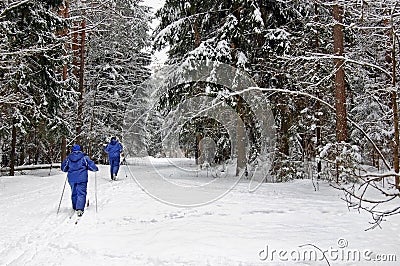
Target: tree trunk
196,30
13,149
395,112
240,134
36,145
21,159
391,63
340,89
197,38
197,148
396,137
285,124
81,82
75,49
63,148
319,137
64,12
240,137
90,146
318,103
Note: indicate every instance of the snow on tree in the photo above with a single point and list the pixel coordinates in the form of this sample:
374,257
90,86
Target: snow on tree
31,55
117,62
375,104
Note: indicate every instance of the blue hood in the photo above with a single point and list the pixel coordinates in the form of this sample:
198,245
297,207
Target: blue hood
76,147
76,156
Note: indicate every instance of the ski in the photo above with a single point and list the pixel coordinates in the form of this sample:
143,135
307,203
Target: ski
78,216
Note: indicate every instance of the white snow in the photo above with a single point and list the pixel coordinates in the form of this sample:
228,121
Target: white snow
258,16
158,57
132,228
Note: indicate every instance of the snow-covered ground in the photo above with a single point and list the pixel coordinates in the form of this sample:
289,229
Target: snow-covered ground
275,225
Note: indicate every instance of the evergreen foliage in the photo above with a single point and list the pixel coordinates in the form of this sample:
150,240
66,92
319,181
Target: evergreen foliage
116,63
31,56
288,45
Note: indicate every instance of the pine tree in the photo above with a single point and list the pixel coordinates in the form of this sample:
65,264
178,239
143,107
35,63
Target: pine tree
31,56
249,35
117,63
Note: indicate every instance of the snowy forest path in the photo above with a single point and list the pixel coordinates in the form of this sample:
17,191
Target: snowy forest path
40,221
43,228
132,228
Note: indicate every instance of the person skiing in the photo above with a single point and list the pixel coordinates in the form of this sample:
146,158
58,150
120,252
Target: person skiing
77,165
114,150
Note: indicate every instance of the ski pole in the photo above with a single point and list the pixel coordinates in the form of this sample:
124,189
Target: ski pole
95,188
62,194
126,172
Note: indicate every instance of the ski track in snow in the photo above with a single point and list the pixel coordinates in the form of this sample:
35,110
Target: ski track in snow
131,228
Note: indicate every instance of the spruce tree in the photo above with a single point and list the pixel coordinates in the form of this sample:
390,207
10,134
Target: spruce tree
117,62
31,57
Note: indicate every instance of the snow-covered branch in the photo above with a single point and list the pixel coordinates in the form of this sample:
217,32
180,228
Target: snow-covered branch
318,56
12,6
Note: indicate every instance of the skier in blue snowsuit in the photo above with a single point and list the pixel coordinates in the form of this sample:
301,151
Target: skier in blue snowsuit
114,149
77,165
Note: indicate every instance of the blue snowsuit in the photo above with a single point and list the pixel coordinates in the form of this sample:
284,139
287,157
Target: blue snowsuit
114,149
77,165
